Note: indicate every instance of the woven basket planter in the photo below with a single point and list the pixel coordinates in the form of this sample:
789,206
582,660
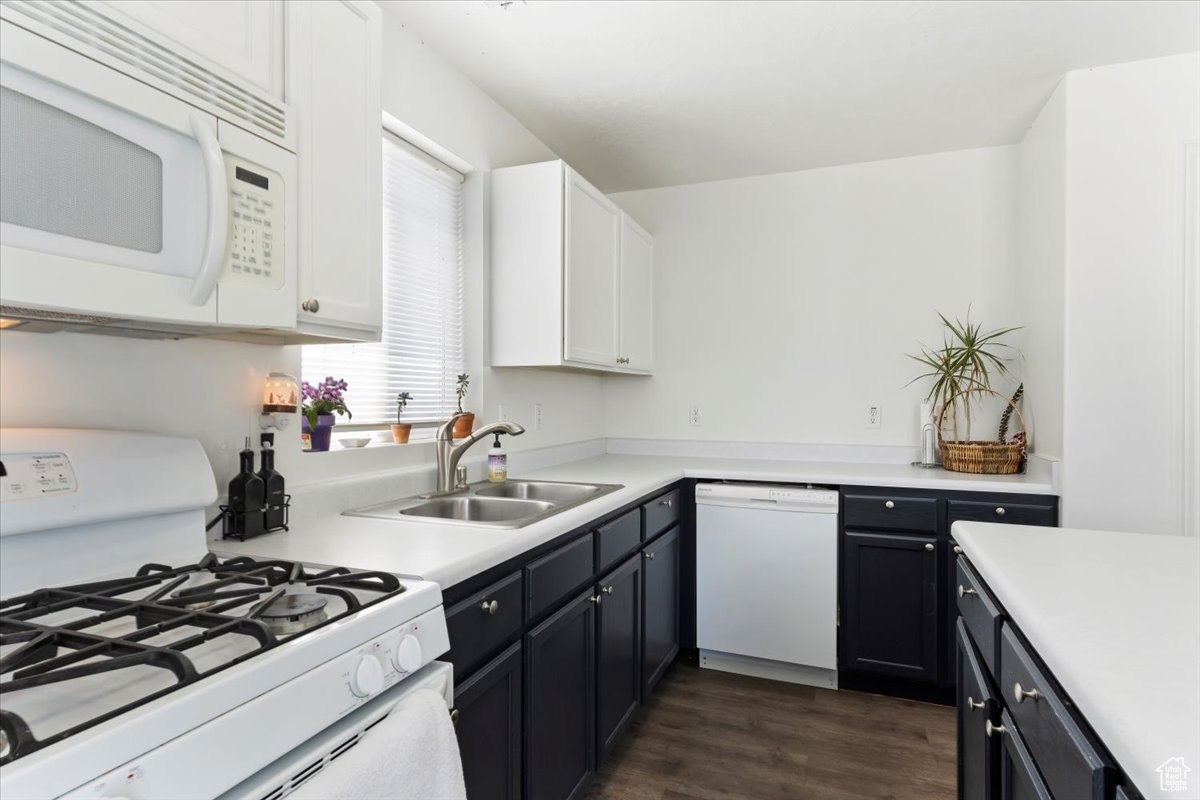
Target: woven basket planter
983,457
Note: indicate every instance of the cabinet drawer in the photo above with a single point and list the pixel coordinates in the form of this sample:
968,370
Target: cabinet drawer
660,514
1066,757
482,623
980,613
1012,513
890,511
552,576
617,538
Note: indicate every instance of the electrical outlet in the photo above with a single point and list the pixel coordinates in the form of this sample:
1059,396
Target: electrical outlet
874,415
537,416
502,413
694,416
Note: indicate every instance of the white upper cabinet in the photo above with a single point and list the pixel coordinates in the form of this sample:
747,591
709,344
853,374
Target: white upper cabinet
333,83
636,341
572,276
243,36
591,264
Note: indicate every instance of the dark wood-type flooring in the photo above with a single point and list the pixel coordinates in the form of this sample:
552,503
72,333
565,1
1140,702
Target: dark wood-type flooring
707,735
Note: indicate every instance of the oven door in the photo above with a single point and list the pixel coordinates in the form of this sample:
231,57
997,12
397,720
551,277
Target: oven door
113,195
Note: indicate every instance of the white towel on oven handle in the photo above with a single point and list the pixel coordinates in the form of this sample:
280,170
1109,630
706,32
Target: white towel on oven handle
410,755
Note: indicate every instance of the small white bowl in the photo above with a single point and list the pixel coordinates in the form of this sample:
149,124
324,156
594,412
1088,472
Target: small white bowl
355,441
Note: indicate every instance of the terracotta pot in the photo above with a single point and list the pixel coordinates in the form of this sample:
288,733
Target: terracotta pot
464,425
400,432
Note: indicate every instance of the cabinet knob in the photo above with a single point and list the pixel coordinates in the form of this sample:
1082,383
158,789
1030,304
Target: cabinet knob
973,705
964,591
668,502
607,590
957,550
929,548
311,305
622,360
489,608
595,599
889,504
649,556
989,729
999,511
1020,694
454,716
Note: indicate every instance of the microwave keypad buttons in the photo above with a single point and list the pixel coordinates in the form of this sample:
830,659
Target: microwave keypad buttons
254,255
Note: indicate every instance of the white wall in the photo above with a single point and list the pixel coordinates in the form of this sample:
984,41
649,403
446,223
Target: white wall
209,389
1127,126
785,304
1042,261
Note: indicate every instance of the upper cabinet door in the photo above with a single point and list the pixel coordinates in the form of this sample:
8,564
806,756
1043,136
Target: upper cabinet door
333,84
636,351
592,224
243,36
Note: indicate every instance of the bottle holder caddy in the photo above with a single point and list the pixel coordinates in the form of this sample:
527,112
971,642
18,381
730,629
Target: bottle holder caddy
243,525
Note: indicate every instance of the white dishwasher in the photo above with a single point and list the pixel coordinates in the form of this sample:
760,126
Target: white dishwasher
766,581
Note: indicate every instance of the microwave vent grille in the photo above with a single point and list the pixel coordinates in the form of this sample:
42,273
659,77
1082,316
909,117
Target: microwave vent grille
185,77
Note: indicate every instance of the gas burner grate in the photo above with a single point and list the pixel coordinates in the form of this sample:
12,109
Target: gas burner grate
241,583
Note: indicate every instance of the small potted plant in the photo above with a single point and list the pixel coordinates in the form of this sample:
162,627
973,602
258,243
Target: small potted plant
321,402
401,430
466,423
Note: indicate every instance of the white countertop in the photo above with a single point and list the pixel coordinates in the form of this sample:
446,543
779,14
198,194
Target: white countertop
449,554
1116,618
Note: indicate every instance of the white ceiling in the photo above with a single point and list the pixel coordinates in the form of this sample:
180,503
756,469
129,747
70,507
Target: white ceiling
658,93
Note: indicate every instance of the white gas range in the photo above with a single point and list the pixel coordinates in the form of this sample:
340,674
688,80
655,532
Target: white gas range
135,664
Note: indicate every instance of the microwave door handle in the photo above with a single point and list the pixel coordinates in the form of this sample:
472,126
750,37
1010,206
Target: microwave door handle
218,211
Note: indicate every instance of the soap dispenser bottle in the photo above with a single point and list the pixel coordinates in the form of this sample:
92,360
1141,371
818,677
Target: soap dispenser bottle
497,463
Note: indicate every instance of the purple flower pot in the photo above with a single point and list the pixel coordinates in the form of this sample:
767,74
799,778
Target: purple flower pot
320,436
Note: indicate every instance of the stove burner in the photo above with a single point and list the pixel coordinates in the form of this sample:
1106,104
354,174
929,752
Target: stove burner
293,613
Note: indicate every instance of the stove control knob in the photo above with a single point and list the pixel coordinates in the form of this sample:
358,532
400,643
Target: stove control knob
367,678
408,654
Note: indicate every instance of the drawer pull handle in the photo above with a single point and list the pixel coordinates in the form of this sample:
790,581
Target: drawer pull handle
489,608
649,556
999,511
957,550
964,591
989,729
454,716
973,705
668,502
595,600
1020,693
607,590
929,548
889,504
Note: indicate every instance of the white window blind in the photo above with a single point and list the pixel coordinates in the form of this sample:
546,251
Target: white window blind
421,350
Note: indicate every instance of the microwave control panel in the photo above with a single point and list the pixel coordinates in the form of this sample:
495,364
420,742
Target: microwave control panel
254,252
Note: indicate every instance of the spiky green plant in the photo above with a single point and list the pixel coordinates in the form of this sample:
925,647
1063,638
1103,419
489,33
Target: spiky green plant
963,366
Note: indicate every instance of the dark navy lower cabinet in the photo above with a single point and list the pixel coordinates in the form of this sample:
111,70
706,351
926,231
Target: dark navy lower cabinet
976,707
618,652
889,620
487,714
560,657
1019,778
661,607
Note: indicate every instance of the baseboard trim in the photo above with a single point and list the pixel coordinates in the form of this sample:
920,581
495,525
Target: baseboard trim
771,670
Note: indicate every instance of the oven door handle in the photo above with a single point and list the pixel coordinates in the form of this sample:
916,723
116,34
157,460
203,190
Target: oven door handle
218,211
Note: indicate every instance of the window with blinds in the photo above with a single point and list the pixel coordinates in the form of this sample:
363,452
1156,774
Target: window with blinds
421,350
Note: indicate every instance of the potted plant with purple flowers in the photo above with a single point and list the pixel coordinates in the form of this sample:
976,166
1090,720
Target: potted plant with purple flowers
321,402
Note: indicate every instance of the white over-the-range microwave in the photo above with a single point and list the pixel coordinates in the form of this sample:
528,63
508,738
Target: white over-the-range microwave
138,188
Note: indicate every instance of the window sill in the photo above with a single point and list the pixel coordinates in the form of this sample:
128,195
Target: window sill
379,438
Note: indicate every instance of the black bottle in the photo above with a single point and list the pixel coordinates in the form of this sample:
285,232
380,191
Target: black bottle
246,497
274,516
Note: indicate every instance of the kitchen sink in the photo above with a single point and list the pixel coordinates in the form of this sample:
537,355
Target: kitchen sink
512,504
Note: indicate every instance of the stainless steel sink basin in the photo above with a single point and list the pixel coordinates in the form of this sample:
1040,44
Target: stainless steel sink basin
477,509
512,504
547,491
